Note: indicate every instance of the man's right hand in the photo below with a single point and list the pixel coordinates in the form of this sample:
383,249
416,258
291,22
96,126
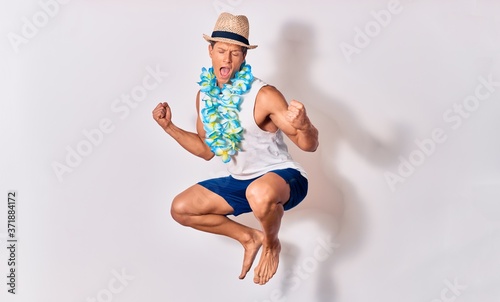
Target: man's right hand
162,115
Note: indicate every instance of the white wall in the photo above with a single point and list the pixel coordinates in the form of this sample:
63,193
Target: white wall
437,224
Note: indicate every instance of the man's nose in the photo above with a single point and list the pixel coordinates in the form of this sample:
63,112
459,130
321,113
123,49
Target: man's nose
227,57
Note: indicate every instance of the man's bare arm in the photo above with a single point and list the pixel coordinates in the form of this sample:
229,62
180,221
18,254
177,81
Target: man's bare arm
291,118
192,142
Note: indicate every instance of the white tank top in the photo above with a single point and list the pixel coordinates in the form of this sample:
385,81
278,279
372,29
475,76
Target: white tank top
260,151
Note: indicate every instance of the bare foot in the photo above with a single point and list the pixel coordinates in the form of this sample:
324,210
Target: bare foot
252,247
268,263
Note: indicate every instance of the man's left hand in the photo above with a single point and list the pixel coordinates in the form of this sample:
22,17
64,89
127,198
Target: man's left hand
296,115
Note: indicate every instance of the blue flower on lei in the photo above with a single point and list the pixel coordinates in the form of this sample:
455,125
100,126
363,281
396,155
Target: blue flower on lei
220,113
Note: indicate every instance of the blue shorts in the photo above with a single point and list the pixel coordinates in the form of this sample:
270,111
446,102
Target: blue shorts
233,190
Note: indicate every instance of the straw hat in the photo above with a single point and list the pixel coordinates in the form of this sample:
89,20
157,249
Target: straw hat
231,29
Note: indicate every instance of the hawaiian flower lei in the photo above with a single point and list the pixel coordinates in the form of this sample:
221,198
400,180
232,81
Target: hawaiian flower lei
220,114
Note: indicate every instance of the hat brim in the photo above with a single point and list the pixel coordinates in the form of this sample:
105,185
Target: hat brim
230,41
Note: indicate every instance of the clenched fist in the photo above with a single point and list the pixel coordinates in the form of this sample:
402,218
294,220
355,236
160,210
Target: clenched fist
162,115
296,115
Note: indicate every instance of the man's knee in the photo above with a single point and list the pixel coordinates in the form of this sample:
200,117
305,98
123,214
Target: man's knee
179,210
262,198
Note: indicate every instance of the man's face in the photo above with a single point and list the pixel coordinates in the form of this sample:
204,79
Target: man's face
226,60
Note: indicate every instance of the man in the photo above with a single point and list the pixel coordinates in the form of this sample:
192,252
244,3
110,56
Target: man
241,119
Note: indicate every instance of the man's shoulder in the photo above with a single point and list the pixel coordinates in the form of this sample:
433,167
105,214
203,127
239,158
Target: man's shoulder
269,99
269,91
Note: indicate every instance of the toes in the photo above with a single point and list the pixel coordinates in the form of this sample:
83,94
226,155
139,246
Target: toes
256,280
264,277
244,271
267,266
264,273
267,276
261,275
256,277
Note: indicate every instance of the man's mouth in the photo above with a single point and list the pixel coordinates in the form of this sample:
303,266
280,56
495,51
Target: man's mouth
225,72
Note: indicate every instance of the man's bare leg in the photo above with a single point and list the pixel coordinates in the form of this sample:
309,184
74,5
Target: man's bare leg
201,209
266,196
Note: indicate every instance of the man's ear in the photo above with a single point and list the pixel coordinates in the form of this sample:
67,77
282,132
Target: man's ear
210,48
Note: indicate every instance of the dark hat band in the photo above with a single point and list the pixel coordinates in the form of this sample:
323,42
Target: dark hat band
230,35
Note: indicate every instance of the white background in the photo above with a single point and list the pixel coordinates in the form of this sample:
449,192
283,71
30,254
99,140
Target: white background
110,214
